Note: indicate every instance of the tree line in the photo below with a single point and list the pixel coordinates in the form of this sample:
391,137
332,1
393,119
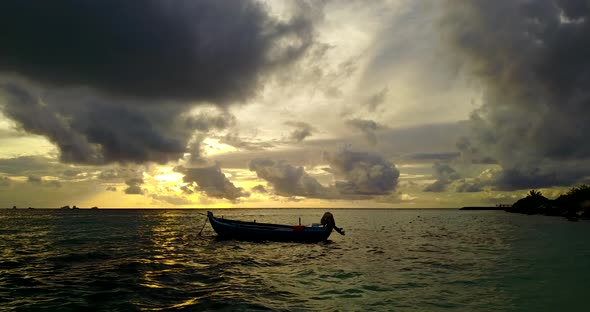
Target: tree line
573,205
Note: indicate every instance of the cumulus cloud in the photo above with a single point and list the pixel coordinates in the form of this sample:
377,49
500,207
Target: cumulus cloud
186,189
53,183
206,122
449,179
359,175
375,100
471,153
134,186
259,189
444,175
531,60
233,139
286,179
437,186
29,165
195,154
171,199
70,173
367,127
11,133
108,174
470,185
363,173
120,173
441,156
213,182
302,130
34,180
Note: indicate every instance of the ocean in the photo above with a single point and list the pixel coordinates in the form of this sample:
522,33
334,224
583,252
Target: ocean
389,260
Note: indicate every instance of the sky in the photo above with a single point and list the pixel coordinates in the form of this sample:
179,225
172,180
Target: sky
288,103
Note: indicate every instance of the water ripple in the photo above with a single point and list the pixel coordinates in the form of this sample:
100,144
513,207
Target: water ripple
389,260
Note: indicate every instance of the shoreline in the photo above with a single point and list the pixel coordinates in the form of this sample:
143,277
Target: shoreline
483,208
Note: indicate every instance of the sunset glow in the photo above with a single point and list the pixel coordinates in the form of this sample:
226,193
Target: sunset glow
299,104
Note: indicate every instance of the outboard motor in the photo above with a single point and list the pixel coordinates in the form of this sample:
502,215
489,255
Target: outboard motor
328,220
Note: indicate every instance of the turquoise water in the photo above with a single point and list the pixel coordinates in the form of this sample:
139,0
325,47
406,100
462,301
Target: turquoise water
390,260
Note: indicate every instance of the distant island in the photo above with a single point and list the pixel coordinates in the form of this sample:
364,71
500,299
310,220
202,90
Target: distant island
573,205
497,207
67,207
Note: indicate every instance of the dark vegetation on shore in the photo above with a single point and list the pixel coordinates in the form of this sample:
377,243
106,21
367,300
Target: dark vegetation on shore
573,205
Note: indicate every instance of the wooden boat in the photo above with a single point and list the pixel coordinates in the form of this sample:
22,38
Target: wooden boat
253,231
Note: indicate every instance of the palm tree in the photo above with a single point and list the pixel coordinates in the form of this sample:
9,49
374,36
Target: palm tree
535,193
533,203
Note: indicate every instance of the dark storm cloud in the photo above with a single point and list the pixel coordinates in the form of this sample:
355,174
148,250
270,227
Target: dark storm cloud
210,50
114,81
88,130
286,179
364,173
367,127
302,130
531,58
549,175
93,131
213,182
37,118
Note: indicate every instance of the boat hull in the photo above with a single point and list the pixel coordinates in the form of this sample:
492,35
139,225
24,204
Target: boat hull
251,231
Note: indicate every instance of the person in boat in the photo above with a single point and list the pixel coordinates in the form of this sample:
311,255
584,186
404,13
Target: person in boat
328,220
